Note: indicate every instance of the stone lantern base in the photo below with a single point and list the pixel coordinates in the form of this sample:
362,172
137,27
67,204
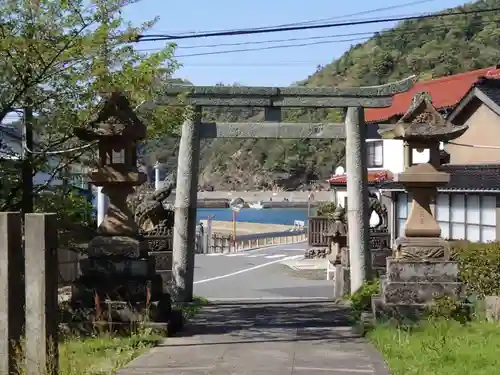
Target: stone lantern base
419,271
119,277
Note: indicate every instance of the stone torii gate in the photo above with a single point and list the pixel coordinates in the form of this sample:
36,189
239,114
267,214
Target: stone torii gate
272,100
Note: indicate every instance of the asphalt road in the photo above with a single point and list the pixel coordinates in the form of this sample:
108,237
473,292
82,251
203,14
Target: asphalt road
256,275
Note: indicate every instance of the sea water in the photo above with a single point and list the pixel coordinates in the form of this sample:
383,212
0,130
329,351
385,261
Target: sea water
284,216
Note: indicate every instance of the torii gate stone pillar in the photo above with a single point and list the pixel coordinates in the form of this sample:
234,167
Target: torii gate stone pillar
185,207
357,197
272,100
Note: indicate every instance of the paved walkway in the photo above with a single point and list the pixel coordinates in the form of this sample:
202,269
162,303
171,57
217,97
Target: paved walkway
306,338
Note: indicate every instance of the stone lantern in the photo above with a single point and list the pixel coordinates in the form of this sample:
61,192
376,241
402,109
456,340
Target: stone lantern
420,268
118,271
116,129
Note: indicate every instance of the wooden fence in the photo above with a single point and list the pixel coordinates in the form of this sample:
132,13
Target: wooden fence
316,226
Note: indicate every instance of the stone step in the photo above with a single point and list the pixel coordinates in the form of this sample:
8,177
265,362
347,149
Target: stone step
419,292
418,271
383,310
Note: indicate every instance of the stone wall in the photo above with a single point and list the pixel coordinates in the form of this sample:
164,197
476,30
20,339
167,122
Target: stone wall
255,196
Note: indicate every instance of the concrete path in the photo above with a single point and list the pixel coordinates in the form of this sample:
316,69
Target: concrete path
306,338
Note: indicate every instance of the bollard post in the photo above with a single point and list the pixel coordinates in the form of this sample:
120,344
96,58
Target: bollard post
42,351
206,246
11,291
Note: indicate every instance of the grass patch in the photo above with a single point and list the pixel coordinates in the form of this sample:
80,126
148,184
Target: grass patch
104,354
189,310
442,347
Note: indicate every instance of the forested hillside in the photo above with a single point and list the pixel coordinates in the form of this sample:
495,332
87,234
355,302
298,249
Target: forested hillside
430,48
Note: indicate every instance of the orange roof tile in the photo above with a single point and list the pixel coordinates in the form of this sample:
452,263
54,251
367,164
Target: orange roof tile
373,177
445,92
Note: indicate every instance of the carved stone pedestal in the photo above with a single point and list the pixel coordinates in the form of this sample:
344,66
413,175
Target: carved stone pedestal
119,279
422,248
419,272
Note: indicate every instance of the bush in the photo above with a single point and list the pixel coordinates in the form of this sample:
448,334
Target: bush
327,209
449,309
479,265
361,300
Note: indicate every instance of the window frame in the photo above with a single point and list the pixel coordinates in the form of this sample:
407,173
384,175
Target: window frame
371,151
450,221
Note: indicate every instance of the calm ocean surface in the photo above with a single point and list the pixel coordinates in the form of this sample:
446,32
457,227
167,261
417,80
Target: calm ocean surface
284,216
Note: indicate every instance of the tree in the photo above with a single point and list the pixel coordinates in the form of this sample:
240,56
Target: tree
59,57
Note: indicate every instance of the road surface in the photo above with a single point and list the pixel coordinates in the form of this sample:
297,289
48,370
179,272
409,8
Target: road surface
256,274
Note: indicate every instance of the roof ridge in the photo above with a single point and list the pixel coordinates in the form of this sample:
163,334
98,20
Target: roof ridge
446,92
458,75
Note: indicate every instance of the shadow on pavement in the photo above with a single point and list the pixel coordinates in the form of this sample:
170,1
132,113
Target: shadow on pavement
272,321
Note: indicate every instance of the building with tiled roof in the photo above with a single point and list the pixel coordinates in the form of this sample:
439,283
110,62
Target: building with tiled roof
468,206
445,93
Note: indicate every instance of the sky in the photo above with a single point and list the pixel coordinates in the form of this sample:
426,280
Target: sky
272,67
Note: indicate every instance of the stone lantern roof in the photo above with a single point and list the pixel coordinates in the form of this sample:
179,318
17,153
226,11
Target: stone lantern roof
422,123
114,119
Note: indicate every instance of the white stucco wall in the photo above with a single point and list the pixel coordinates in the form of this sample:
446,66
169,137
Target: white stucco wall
394,155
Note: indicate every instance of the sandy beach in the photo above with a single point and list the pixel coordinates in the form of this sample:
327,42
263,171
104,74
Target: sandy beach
245,228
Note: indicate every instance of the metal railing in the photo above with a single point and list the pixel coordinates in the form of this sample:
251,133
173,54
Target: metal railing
221,243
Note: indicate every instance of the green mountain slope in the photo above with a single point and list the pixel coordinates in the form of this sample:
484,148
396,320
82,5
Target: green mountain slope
429,48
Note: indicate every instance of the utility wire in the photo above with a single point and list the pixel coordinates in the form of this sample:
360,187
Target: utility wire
383,34
387,34
78,148
472,146
376,10
268,48
268,64
153,37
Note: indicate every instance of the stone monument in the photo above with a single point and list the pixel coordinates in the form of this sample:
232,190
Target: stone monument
118,273
420,268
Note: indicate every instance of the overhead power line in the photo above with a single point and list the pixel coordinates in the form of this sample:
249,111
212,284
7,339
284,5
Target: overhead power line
155,37
387,33
257,64
355,38
376,10
369,11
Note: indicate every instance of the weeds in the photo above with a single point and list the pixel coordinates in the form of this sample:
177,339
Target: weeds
104,350
440,347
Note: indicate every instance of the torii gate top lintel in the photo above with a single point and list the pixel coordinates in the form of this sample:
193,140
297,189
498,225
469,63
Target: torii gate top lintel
314,97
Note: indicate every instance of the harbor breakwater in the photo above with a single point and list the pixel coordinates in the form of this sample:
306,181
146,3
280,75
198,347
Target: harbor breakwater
286,199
